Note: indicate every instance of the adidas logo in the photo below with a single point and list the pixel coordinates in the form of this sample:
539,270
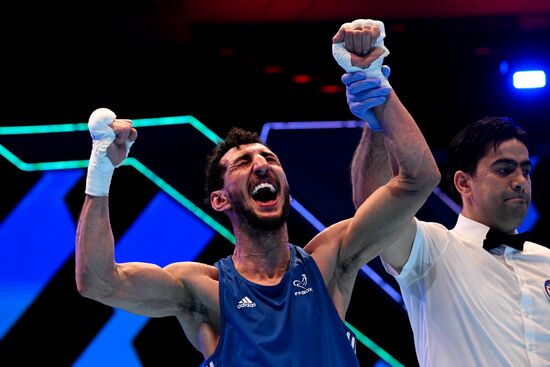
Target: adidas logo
246,302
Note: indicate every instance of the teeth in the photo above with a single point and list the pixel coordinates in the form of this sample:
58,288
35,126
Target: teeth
263,185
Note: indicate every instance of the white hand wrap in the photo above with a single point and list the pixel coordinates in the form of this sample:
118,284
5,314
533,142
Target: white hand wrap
343,57
100,168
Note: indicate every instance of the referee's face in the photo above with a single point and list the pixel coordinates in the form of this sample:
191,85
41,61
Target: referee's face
499,193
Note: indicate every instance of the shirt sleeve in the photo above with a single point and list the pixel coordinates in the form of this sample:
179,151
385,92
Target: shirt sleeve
429,244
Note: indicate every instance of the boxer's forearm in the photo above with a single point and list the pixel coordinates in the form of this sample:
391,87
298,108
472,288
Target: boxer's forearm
95,265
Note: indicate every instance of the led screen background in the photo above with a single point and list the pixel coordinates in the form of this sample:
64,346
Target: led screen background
260,63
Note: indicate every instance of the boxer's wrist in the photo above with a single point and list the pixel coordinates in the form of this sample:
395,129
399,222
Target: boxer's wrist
372,121
100,167
100,170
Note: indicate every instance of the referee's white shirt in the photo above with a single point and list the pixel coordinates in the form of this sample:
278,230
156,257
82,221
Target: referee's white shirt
469,307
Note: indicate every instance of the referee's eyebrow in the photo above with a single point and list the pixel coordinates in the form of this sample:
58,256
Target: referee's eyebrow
513,162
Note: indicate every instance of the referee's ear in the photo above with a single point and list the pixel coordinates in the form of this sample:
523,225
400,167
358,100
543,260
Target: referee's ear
463,182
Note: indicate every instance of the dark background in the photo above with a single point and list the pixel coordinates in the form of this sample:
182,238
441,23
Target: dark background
246,63
235,62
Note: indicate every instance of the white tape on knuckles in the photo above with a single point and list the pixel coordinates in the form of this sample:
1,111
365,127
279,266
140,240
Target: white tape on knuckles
98,124
343,56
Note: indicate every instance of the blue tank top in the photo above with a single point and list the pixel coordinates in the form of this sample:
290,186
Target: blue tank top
291,324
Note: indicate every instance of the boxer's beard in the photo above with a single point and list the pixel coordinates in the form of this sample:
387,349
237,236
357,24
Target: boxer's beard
250,218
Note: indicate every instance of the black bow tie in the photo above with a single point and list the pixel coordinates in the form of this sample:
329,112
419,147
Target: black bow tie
496,238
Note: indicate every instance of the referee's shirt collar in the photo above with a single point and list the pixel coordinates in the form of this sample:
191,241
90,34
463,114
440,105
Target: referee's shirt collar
471,230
